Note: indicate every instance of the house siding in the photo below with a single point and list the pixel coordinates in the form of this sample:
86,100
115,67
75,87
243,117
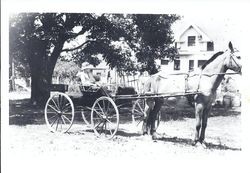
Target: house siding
197,52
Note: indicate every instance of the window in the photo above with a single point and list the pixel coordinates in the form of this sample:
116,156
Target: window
210,46
201,62
191,40
164,62
177,64
191,65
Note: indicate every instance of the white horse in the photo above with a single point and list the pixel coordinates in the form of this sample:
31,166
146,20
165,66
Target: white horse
205,83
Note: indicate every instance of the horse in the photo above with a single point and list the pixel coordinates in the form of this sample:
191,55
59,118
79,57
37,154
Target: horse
203,84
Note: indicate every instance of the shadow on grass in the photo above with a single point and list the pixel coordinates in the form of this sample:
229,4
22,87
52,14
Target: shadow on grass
120,132
184,141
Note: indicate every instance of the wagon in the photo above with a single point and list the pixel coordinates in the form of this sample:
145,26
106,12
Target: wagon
100,112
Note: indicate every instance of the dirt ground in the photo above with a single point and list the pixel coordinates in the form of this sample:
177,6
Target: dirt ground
30,139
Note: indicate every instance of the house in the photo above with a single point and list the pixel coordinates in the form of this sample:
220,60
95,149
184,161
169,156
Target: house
194,48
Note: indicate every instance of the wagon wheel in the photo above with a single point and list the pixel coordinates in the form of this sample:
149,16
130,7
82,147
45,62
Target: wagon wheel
138,113
59,112
105,117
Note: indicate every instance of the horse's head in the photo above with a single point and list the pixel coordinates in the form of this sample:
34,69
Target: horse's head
233,60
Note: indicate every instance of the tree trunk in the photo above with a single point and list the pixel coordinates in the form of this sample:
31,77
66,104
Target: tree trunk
42,67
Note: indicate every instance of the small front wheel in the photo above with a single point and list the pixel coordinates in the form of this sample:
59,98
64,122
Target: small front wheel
105,117
59,112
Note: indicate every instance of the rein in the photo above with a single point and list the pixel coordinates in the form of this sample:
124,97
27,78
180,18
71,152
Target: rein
196,74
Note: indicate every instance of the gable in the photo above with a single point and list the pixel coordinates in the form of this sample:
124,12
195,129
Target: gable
194,30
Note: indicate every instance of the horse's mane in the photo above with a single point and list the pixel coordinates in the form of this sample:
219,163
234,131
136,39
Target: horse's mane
211,59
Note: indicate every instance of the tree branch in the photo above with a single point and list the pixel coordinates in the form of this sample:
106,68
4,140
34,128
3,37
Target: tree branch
67,50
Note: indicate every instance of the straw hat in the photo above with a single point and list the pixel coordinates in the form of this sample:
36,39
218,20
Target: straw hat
86,65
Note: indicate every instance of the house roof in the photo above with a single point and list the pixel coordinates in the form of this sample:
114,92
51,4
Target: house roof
205,37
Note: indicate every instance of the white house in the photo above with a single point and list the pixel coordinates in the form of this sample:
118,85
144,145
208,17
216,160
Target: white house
194,48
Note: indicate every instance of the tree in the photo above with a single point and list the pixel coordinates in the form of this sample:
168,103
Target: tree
38,39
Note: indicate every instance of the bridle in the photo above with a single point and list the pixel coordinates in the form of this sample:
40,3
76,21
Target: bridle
231,63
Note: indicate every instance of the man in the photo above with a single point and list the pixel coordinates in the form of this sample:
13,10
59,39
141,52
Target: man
86,75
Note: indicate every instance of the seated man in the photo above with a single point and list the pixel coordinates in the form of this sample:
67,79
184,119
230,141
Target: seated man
86,76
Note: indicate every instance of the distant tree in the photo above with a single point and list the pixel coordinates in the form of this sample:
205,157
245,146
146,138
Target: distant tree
66,70
155,39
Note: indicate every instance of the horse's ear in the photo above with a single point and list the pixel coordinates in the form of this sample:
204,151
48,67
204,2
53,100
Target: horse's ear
230,45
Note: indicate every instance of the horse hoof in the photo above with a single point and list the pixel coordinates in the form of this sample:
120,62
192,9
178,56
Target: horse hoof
194,143
156,136
201,145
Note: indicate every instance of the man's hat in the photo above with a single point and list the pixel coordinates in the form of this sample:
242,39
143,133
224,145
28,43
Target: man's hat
86,65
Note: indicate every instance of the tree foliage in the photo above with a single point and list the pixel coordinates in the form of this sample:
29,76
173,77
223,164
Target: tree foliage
125,42
155,39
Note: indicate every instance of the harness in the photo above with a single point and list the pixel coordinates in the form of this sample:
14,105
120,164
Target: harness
188,75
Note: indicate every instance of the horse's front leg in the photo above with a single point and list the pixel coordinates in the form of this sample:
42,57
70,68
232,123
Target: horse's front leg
206,112
198,116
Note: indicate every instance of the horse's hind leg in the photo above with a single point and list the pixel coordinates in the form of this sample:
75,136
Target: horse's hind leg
146,122
198,115
157,107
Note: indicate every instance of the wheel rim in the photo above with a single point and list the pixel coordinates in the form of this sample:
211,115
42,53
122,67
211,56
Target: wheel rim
105,117
59,113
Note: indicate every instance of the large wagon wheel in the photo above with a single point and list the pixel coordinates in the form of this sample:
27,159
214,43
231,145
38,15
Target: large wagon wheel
105,117
59,112
138,113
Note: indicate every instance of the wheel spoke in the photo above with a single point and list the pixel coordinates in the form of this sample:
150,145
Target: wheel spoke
140,107
100,108
103,102
51,112
105,128
99,123
139,122
54,121
57,123
66,118
137,111
110,122
53,117
53,108
58,101
61,102
65,107
55,103
65,113
100,115
63,120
